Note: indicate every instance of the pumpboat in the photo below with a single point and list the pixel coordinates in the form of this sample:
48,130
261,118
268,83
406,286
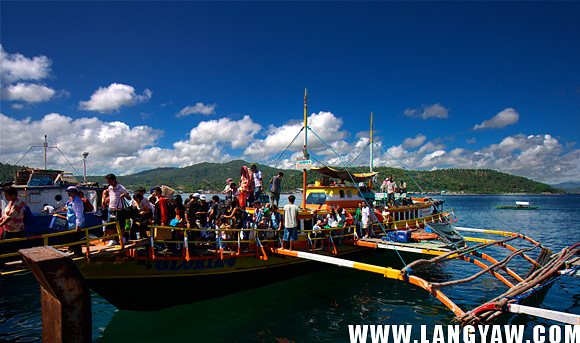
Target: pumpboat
137,276
39,186
520,205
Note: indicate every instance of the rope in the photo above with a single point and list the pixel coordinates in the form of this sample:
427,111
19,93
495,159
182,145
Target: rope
352,179
282,154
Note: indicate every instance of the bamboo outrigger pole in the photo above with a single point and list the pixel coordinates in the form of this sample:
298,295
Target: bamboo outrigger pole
305,150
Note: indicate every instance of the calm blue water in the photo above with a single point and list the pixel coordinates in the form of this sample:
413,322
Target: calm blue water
318,307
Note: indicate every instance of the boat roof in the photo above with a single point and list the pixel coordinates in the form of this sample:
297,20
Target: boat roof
344,174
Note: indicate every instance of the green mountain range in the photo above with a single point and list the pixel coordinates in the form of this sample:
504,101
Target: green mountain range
212,176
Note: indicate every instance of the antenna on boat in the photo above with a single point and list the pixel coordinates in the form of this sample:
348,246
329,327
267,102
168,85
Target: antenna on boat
45,146
85,154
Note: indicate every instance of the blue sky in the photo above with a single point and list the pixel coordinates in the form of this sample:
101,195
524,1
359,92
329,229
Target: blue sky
152,84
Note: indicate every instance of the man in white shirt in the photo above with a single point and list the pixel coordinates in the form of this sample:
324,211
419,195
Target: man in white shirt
116,192
366,219
257,181
290,222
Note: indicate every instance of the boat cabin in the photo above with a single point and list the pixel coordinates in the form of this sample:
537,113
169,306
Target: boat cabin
37,187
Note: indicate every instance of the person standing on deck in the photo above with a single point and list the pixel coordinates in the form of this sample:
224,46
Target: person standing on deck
290,222
366,219
384,185
257,181
358,220
76,219
12,222
391,186
276,188
402,187
191,210
116,193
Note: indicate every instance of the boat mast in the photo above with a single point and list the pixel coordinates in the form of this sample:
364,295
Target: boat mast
371,163
305,149
45,146
371,157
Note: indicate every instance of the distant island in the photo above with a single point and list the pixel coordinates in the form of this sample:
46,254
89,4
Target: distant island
211,177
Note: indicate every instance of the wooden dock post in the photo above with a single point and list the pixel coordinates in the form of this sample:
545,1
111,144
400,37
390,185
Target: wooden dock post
65,295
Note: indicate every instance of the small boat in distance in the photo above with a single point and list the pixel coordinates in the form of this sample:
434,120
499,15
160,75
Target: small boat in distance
520,205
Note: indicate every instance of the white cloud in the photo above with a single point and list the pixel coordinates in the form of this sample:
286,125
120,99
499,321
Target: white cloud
118,148
110,99
504,118
411,143
105,141
17,67
236,133
428,111
198,108
325,124
27,92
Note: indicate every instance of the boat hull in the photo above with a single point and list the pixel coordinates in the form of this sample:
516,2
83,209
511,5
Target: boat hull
148,285
516,207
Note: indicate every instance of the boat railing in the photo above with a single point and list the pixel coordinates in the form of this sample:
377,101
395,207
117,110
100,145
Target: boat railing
234,245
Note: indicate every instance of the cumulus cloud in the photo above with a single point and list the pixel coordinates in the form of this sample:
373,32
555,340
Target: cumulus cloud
428,111
234,132
411,143
198,108
325,124
106,141
504,118
116,147
110,99
27,92
17,67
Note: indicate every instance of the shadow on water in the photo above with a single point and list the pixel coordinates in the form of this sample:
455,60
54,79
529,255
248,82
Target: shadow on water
314,307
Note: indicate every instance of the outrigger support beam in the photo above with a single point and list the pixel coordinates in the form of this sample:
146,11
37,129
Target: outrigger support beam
481,314
387,272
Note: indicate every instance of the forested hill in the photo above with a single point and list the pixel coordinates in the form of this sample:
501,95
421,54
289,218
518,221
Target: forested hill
212,176
189,179
481,181
7,172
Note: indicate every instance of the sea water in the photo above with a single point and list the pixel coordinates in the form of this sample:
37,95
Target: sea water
319,307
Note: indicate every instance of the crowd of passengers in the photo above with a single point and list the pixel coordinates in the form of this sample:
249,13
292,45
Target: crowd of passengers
215,219
210,219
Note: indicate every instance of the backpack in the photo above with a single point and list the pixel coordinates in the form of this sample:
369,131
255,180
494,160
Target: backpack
221,210
27,213
87,206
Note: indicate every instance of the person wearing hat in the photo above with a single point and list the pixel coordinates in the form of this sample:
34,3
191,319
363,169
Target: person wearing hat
75,218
